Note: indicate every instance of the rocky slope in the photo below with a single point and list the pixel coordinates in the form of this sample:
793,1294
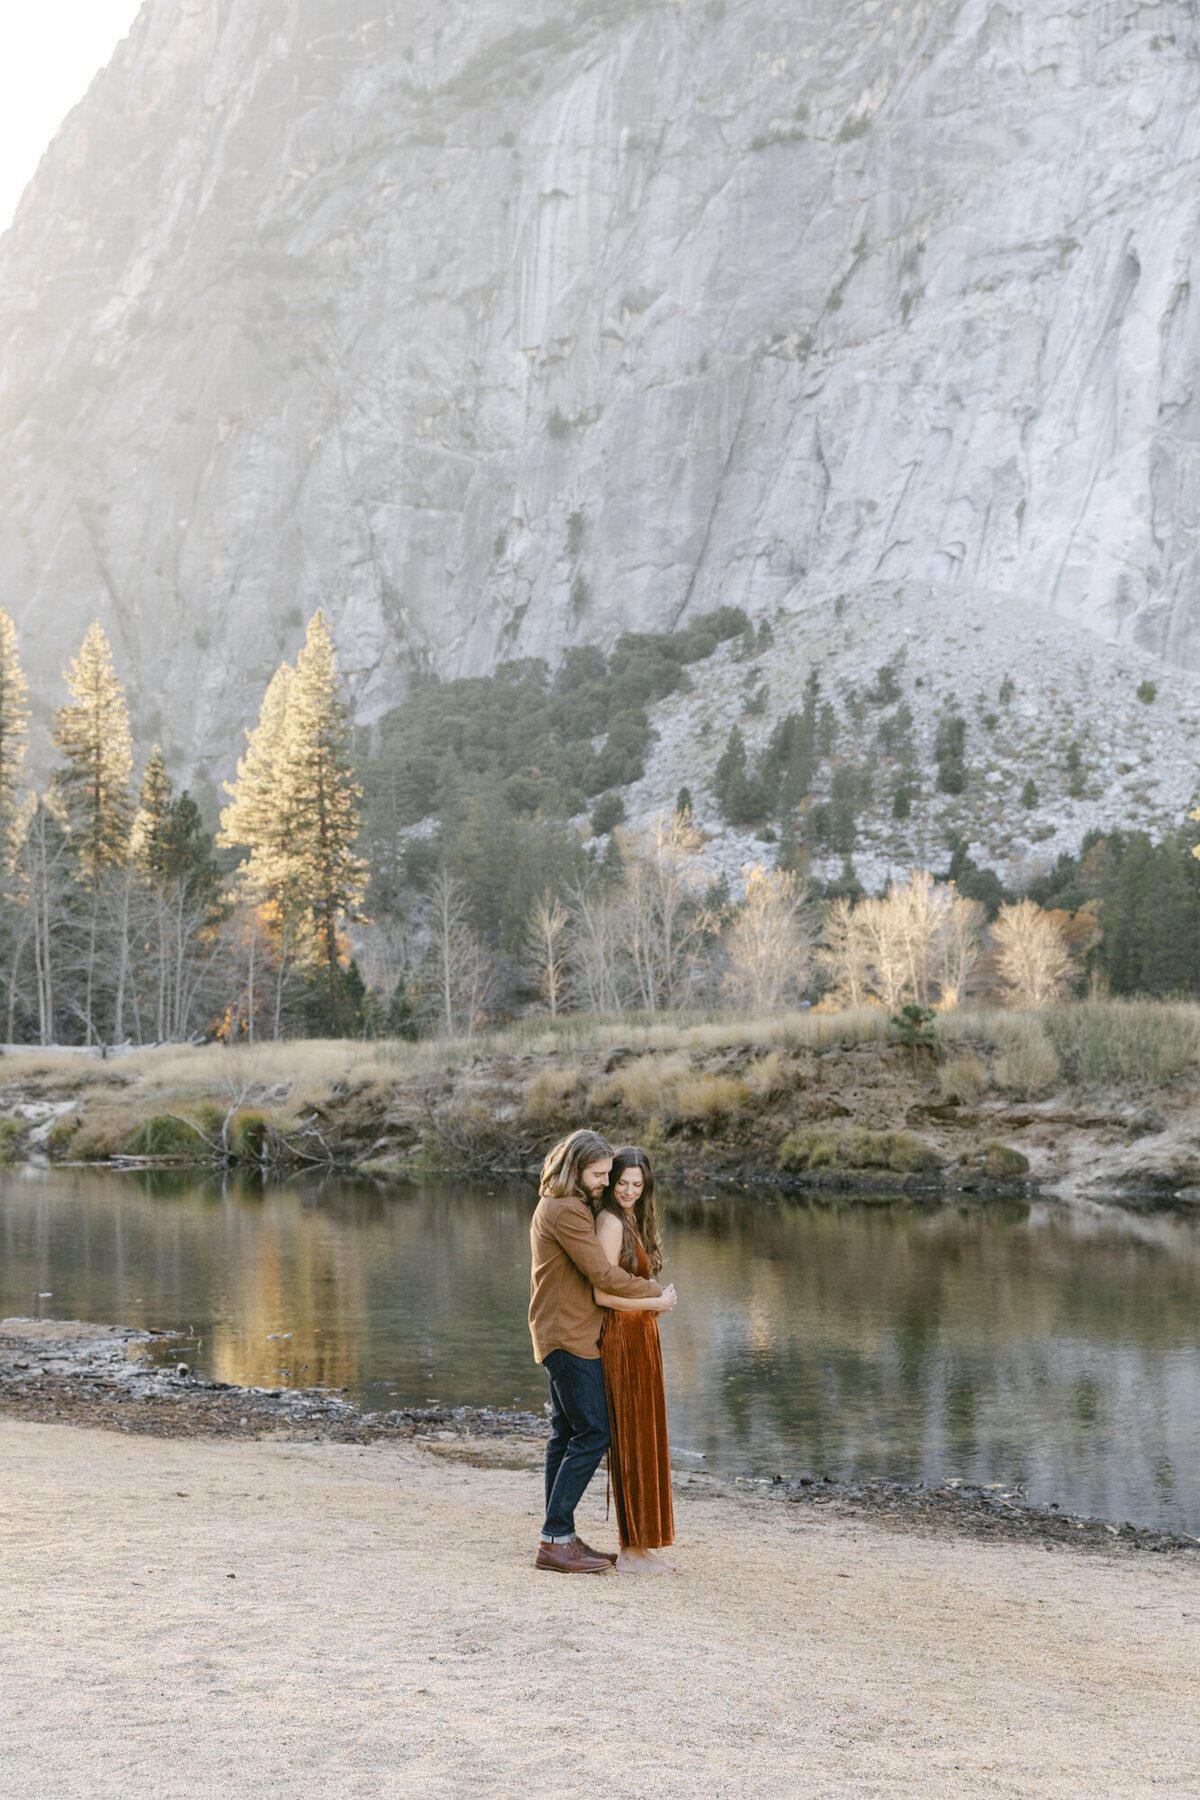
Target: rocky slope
496,328
1036,698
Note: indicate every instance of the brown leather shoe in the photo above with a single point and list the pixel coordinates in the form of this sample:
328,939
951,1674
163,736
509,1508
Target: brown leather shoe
608,1556
571,1559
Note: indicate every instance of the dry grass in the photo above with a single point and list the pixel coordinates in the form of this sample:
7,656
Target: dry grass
1111,1043
550,1087
782,1031
666,1087
852,1147
709,1097
645,1086
1083,1043
963,1078
1028,1067
766,1076
1087,1043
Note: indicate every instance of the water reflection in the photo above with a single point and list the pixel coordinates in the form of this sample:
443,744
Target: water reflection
1039,1343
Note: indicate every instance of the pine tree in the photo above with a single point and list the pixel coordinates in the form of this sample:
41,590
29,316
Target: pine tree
92,733
401,1015
254,820
741,797
169,843
319,804
295,807
152,821
14,733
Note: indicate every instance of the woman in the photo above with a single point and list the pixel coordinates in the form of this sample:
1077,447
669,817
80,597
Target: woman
639,1459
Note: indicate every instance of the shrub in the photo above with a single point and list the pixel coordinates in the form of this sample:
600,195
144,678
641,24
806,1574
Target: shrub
608,813
901,802
248,1132
996,1161
1029,793
963,1078
949,751
1147,692
854,1147
1029,1069
913,1024
61,1137
163,1134
11,1133
886,688
209,1117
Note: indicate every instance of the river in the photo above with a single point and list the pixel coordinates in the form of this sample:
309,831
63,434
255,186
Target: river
1034,1343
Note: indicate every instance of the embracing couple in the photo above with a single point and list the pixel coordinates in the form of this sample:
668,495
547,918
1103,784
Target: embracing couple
592,1315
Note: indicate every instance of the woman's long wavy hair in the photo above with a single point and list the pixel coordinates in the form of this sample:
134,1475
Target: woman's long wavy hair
640,1221
565,1164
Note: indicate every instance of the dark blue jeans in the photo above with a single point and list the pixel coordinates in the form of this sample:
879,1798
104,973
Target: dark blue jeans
578,1435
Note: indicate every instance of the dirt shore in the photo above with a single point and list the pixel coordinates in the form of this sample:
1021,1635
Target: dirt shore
117,1378
221,1617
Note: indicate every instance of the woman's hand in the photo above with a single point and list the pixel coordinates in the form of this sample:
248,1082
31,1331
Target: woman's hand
667,1299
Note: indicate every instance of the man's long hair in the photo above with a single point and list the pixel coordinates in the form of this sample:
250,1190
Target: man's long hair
641,1221
563,1168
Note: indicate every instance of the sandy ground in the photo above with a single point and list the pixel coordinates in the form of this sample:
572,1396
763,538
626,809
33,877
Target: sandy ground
319,1620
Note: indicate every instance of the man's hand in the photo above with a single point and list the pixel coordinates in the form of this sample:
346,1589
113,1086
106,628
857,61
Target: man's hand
666,1300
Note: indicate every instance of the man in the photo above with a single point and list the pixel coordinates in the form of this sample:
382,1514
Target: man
564,1322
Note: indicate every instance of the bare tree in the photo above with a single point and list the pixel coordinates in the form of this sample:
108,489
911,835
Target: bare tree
546,948
598,953
846,952
957,949
464,975
1033,960
384,951
44,878
770,942
919,942
667,926
890,948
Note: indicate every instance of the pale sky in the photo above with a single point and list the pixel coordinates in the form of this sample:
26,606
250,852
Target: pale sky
49,51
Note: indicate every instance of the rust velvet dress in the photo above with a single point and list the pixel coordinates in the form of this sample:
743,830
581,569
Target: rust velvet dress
639,1461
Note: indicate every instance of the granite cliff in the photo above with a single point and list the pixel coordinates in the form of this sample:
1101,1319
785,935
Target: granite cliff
497,328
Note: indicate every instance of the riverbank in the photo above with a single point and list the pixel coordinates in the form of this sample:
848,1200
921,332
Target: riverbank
354,1620
105,1377
1097,1098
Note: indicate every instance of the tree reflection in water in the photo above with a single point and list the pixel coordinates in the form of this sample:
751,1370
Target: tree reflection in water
1039,1343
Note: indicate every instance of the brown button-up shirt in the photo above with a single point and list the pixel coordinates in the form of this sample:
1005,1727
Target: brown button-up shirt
567,1264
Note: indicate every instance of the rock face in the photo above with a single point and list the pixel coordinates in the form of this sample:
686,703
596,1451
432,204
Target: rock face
497,327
